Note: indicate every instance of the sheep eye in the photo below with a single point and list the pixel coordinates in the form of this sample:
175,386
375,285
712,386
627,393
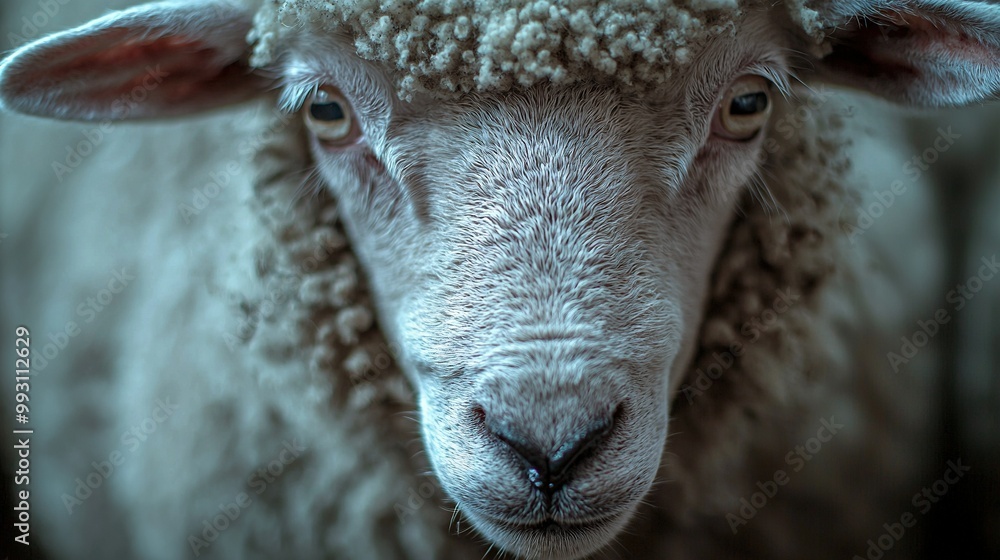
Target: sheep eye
744,110
330,118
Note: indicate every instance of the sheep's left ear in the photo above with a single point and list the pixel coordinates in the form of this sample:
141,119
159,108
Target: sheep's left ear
924,53
154,60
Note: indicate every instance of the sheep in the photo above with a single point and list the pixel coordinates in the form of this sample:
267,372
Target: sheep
606,244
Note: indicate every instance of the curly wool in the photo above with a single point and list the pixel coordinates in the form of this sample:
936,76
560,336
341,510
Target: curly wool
445,47
310,265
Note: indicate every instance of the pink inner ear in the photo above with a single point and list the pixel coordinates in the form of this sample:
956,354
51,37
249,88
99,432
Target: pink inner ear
173,55
112,53
910,44
125,51
157,60
950,38
118,74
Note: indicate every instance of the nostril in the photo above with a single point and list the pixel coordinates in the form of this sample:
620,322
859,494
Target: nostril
533,457
478,416
573,449
548,469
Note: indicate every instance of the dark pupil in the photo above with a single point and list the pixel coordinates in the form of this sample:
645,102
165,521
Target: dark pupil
327,111
749,104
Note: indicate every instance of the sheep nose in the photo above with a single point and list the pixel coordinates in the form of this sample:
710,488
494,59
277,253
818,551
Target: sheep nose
548,469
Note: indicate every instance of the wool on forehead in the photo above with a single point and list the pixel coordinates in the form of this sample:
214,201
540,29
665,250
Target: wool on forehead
461,46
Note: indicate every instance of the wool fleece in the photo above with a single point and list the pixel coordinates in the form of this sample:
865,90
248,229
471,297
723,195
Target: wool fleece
459,46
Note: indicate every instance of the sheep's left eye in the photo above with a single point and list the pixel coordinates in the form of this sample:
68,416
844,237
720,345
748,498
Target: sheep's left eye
744,110
330,117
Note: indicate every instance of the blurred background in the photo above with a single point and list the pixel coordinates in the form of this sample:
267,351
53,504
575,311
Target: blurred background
966,523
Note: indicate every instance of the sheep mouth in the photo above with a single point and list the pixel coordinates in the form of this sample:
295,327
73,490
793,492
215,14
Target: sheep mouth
551,526
555,540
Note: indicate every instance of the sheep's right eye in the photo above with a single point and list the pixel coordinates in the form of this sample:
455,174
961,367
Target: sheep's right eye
330,118
745,109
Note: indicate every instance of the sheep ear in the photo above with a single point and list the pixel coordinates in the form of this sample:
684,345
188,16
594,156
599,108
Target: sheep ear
925,53
156,60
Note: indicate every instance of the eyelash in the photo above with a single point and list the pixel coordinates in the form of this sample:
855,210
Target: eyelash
294,95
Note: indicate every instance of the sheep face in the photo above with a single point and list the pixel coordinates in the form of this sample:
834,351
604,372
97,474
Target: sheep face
541,258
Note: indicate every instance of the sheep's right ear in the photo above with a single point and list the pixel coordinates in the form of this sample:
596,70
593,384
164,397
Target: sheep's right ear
156,60
923,53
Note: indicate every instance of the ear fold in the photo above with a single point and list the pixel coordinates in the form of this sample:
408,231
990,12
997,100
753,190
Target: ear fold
155,60
925,53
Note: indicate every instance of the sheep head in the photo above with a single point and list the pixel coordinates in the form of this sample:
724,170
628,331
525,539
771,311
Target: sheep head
540,247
